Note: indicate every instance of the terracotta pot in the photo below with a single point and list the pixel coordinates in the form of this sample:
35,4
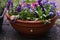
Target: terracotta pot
31,28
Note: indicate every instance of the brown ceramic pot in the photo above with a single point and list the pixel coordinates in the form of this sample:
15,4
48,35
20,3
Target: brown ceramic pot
31,28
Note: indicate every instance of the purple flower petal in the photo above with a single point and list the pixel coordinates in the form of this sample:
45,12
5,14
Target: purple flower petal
53,4
46,1
31,10
9,4
7,7
35,5
58,13
39,2
28,5
51,13
41,5
23,1
19,8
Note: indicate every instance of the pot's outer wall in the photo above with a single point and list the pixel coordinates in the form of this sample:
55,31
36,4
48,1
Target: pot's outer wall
31,29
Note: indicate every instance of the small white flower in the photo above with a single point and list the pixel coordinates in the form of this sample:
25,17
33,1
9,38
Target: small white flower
28,17
17,16
57,22
45,9
36,19
49,19
25,10
46,20
44,15
13,17
35,10
41,17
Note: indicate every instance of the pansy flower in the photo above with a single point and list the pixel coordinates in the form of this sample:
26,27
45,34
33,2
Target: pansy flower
9,4
58,13
28,5
33,5
53,4
46,1
51,13
31,10
19,8
39,2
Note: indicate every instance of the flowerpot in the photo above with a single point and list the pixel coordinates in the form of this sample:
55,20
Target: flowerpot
31,28
1,18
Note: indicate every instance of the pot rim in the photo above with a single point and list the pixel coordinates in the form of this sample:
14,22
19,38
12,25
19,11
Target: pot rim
26,21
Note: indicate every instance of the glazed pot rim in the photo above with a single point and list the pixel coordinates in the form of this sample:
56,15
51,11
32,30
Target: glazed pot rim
26,21
39,21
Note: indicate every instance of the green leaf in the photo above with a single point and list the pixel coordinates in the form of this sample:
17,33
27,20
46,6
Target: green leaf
30,1
15,2
3,3
40,13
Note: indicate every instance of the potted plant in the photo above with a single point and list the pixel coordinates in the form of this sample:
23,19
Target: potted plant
2,11
32,18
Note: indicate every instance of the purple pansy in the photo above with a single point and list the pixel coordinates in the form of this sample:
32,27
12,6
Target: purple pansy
9,4
25,6
23,1
51,13
42,8
22,6
53,4
28,5
31,10
7,7
39,2
41,5
46,1
52,10
35,5
58,13
19,8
